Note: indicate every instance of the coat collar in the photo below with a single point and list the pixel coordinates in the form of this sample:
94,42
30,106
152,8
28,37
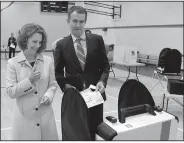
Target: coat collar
83,37
21,57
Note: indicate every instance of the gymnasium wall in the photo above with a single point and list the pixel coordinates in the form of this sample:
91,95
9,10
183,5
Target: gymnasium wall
55,25
149,26
135,28
20,13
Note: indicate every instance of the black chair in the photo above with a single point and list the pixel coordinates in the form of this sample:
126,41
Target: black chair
162,59
169,66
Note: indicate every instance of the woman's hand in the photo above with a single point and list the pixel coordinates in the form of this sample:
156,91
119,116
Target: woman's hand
35,75
45,101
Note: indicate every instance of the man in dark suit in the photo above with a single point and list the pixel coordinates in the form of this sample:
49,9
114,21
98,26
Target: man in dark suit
12,45
81,60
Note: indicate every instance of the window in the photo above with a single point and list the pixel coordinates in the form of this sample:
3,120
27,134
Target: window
54,6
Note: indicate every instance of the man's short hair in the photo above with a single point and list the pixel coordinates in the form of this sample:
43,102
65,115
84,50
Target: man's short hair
111,46
87,31
78,9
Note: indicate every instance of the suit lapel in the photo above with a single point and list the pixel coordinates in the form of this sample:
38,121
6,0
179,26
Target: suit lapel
70,46
22,59
88,46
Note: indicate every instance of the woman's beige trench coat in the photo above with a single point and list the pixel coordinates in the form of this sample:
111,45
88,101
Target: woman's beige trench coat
29,122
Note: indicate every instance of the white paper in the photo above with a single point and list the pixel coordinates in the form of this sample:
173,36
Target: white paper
92,98
12,45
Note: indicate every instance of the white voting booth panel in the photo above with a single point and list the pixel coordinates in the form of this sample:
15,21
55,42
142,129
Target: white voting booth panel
126,55
145,126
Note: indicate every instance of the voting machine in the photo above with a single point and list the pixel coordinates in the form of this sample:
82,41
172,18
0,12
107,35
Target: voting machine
161,126
138,117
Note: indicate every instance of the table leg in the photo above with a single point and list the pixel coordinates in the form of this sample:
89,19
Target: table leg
128,73
5,54
112,69
136,73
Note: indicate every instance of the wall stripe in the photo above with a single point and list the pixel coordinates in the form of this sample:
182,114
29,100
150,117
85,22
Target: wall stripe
139,26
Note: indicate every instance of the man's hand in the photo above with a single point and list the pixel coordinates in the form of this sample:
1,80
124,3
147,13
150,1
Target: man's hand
100,87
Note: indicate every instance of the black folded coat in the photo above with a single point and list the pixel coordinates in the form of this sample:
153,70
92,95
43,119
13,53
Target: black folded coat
74,117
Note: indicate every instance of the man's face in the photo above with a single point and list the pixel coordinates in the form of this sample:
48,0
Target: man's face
11,34
77,23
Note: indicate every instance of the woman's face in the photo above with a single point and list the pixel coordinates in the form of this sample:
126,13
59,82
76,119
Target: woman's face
34,42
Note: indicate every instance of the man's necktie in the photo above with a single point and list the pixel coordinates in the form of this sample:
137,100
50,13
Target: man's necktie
80,53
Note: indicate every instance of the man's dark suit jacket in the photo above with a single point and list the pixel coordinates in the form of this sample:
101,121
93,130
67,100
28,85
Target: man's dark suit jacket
96,66
96,69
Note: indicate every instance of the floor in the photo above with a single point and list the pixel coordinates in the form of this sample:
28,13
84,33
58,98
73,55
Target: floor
110,106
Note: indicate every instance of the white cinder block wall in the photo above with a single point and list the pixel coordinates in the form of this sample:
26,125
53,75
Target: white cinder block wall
20,13
148,40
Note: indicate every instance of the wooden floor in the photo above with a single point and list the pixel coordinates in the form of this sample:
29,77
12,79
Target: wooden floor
110,106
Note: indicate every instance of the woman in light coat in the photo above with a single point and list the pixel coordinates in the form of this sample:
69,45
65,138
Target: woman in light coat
31,82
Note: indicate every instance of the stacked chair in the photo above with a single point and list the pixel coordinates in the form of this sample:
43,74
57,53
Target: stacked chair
168,67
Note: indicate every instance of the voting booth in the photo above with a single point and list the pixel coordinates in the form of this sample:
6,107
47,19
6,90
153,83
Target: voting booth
140,121
127,55
138,117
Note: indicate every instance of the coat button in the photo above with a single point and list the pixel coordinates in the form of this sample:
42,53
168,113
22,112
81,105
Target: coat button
36,109
35,92
38,124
